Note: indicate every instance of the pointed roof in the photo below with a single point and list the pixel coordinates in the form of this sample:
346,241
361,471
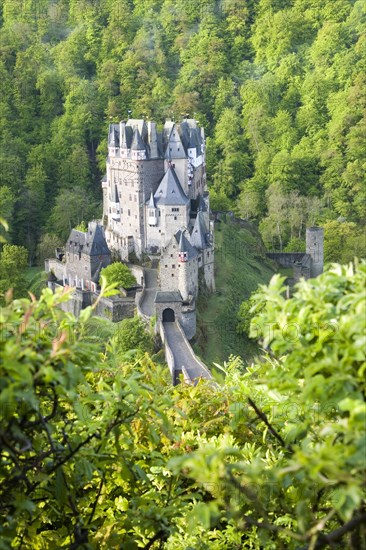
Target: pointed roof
184,245
151,201
91,242
113,135
137,143
175,149
199,233
170,191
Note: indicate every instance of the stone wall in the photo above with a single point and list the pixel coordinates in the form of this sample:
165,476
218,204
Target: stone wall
188,321
169,222
57,267
114,308
134,181
168,267
315,248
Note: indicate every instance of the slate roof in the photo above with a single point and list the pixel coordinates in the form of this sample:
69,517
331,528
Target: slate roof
173,296
173,142
184,245
170,191
174,148
137,143
92,242
151,201
199,235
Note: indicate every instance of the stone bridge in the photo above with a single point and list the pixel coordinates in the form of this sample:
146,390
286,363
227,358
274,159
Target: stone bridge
179,354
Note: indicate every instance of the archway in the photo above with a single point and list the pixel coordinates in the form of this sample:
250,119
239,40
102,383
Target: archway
168,315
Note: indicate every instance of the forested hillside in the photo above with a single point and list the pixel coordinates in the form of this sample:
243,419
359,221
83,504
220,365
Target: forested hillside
279,86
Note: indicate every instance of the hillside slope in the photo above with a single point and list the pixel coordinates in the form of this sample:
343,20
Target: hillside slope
240,266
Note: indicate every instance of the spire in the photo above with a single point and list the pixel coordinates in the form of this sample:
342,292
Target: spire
137,143
151,201
113,137
182,248
153,139
182,244
175,149
122,135
199,232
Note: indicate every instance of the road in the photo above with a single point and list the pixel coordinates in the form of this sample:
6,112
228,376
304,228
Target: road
147,305
183,353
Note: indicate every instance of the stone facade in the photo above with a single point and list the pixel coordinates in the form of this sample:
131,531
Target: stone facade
304,264
155,203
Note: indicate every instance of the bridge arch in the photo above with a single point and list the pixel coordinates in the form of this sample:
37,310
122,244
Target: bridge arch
168,315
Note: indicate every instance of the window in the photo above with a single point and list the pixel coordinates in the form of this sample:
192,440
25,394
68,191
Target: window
129,212
172,274
173,266
175,209
171,255
175,218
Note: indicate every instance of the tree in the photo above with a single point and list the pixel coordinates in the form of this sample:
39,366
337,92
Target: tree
132,334
7,201
71,207
290,471
47,247
13,262
343,241
118,274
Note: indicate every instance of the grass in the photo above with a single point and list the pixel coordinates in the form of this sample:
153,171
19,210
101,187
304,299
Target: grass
240,266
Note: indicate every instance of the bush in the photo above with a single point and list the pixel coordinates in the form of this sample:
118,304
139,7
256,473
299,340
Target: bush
131,334
118,274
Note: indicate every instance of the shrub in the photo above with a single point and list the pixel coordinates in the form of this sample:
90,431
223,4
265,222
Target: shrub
118,274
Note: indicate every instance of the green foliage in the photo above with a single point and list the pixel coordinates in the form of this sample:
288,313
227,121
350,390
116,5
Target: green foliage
240,266
99,450
247,311
13,262
344,241
119,275
47,247
290,470
279,88
132,334
82,226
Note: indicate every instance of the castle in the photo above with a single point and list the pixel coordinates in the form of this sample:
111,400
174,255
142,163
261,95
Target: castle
155,207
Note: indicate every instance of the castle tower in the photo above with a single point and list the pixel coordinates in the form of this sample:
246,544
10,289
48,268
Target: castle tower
315,248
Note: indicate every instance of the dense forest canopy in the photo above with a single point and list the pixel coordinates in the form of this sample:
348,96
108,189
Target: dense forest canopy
279,86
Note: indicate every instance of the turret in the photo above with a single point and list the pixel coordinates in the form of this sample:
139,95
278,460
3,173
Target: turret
153,140
315,248
123,139
113,141
152,218
138,150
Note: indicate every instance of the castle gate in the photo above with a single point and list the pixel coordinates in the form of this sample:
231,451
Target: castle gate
168,315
